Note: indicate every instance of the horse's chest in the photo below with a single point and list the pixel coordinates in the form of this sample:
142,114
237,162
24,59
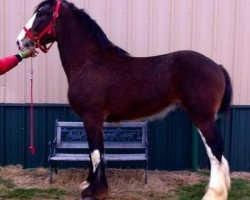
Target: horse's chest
77,98
84,97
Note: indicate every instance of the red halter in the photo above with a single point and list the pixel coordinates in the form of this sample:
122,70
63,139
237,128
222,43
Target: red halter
48,30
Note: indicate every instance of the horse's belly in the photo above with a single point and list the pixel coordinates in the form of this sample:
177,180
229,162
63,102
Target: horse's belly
161,114
147,113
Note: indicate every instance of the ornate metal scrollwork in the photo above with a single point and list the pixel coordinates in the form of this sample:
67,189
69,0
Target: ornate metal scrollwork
111,134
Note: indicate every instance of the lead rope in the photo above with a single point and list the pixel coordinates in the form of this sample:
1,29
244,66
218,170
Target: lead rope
32,148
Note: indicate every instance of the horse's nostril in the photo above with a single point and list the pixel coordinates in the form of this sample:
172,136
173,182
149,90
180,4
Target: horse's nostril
18,45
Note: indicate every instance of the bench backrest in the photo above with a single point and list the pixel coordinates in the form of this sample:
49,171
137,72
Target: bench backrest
127,135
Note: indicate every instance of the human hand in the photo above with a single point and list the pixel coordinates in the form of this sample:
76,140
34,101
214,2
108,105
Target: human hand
29,53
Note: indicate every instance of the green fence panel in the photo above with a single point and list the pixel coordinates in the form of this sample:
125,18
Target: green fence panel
170,142
170,139
240,139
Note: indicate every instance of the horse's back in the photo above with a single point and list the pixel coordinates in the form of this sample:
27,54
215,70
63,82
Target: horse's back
180,70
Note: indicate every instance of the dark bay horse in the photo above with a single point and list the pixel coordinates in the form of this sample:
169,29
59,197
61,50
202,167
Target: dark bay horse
107,84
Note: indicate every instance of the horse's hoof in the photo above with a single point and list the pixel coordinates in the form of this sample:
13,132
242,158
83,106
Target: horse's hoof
87,195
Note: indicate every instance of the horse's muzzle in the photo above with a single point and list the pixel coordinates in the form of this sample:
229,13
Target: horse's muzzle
24,44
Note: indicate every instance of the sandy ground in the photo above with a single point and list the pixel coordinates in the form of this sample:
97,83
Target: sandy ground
129,182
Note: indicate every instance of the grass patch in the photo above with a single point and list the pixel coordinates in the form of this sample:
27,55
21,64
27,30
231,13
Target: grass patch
156,196
240,190
192,192
6,183
33,193
149,195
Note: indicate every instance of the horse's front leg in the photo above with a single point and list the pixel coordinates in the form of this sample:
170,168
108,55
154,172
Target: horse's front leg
95,187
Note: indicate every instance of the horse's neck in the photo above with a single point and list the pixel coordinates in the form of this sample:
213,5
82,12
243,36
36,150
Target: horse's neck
75,48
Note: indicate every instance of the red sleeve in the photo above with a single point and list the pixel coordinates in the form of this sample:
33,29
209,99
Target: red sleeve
7,64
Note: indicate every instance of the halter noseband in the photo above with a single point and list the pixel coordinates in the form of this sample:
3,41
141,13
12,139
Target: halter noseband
48,30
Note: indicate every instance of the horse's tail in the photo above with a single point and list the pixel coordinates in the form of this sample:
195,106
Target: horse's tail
228,92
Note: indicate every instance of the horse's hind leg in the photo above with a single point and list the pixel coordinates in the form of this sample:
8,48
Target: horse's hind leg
96,186
219,183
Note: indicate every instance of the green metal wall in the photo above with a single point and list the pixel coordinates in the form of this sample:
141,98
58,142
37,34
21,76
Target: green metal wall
235,130
169,138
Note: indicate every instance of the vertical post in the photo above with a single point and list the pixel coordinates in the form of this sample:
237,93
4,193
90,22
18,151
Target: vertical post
194,149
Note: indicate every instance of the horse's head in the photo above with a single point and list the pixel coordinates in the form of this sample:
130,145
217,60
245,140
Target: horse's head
41,28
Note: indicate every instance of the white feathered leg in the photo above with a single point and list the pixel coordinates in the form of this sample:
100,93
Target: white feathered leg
219,183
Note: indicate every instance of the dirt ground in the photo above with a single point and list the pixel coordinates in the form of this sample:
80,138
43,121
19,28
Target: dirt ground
124,184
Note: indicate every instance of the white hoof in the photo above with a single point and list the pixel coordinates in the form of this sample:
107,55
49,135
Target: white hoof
84,185
214,194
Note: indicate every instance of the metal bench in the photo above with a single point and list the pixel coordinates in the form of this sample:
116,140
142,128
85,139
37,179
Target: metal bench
126,137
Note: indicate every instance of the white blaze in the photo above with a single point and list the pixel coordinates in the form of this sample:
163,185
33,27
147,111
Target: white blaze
96,159
28,26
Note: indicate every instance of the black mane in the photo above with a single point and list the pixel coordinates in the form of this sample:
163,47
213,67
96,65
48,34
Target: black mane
83,18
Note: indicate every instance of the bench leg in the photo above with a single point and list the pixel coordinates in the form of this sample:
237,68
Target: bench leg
146,172
50,172
55,165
